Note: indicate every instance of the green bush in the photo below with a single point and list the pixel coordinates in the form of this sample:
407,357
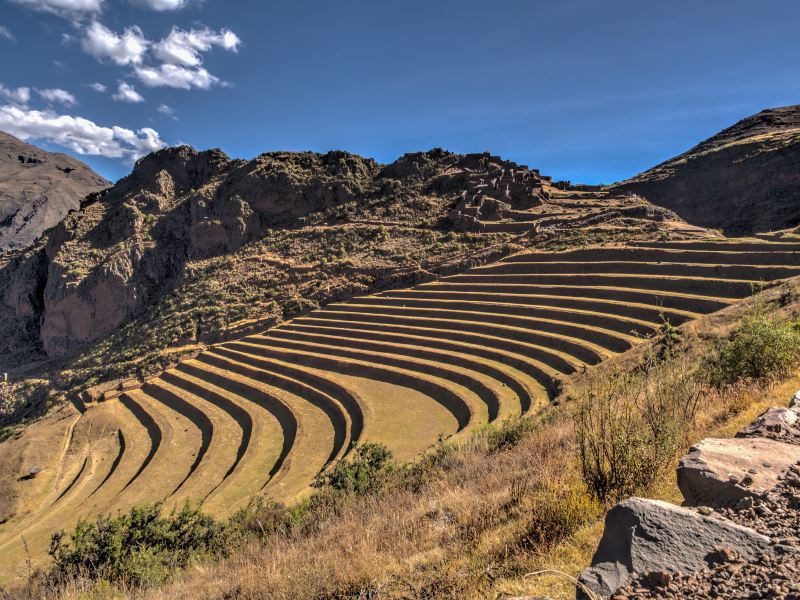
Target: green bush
140,548
762,347
365,471
630,428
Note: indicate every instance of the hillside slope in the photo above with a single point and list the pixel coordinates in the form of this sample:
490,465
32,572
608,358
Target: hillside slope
37,190
745,179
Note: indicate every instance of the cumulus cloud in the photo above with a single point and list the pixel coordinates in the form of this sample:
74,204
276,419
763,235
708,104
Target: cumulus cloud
162,5
127,48
64,8
20,95
78,134
57,95
181,57
176,77
98,87
127,93
184,48
166,110
5,32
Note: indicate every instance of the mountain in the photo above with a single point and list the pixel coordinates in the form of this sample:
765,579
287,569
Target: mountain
37,190
194,247
743,180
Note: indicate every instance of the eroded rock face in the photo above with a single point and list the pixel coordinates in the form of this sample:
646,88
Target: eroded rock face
128,244
644,537
721,472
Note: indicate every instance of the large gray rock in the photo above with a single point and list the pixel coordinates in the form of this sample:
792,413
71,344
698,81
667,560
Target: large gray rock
777,423
644,537
720,472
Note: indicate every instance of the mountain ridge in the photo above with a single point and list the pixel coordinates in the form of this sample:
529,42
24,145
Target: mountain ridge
742,180
38,189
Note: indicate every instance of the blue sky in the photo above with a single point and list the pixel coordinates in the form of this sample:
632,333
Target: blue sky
584,90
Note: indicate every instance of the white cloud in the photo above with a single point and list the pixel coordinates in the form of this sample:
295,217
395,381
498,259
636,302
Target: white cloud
176,77
5,32
98,87
58,95
64,8
20,95
166,110
183,48
78,134
162,5
127,48
127,93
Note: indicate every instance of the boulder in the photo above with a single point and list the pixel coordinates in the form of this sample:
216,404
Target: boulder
720,472
782,424
644,537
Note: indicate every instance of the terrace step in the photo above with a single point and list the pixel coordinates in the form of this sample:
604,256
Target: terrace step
641,312
426,360
621,324
554,363
668,299
692,285
604,338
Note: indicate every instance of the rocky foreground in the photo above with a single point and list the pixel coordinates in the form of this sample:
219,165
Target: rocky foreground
737,535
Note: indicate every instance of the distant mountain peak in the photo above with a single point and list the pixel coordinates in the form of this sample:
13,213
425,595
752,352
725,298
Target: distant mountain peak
744,179
38,189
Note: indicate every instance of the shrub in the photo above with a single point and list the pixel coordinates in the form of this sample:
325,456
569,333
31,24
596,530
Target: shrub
365,471
762,347
557,515
139,548
630,428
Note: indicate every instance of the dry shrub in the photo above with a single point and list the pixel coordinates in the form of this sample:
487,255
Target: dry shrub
630,427
558,514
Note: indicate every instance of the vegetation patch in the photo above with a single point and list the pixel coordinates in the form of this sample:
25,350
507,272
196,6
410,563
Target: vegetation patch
761,347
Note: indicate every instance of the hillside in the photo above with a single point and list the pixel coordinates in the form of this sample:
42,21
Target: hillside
743,180
37,190
195,247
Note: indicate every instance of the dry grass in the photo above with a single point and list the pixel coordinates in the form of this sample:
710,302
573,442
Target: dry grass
479,522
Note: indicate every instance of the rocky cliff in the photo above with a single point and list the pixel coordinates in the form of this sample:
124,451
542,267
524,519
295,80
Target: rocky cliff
744,179
37,190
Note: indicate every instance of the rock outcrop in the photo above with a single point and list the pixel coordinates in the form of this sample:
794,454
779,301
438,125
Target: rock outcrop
37,190
743,180
650,538
777,423
721,472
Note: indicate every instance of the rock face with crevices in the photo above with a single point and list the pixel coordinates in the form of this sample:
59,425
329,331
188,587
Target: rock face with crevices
37,190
